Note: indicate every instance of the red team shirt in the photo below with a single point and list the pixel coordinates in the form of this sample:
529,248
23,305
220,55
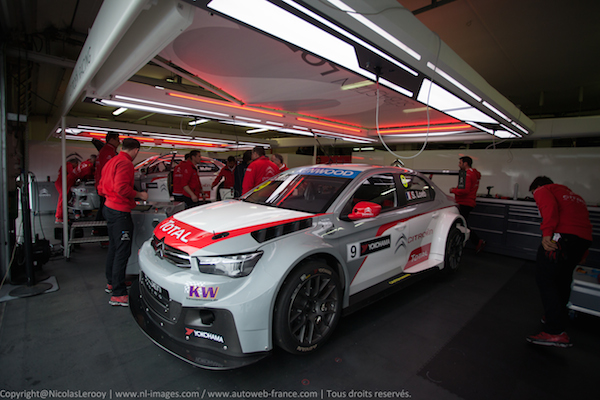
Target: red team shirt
467,196
186,174
107,152
117,183
562,211
257,172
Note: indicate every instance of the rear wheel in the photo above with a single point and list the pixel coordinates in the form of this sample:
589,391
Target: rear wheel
454,248
308,308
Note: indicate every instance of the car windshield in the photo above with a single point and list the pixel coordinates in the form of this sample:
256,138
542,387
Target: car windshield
308,193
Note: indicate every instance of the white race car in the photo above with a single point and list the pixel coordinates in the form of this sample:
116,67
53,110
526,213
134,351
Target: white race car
155,175
222,283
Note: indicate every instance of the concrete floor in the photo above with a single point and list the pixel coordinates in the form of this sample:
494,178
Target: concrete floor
438,339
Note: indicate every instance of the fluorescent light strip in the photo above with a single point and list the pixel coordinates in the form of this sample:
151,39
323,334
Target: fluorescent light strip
395,87
375,28
344,137
351,37
156,103
510,130
441,99
481,128
447,133
491,107
258,130
274,123
181,96
300,127
520,128
357,85
424,128
119,111
141,107
454,82
295,132
198,122
331,125
101,128
503,134
248,119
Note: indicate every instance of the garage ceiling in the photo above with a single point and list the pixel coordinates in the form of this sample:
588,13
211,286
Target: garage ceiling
535,53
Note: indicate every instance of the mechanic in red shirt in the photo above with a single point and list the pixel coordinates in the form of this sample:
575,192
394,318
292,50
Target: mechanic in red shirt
108,151
225,173
278,160
566,237
259,170
71,178
85,171
116,184
466,198
186,182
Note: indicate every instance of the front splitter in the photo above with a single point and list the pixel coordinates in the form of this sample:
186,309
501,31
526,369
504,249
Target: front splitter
200,358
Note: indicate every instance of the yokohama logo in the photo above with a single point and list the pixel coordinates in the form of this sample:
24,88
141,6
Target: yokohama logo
375,245
204,335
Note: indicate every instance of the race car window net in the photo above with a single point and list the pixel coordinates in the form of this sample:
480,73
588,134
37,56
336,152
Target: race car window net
307,193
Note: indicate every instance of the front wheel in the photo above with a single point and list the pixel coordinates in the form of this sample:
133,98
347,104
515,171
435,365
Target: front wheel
308,308
454,248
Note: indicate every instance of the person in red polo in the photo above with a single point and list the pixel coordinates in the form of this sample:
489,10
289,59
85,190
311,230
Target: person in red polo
71,178
225,174
566,237
278,160
186,182
116,185
86,170
108,151
259,170
466,198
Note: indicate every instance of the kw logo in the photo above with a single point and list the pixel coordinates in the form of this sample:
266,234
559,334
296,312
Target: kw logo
202,292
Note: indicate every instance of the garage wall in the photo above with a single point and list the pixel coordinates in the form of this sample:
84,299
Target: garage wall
578,168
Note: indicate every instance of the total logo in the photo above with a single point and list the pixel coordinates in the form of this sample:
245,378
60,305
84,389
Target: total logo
201,292
170,228
418,255
204,335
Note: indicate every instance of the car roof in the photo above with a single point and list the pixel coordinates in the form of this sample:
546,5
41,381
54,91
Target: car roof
355,167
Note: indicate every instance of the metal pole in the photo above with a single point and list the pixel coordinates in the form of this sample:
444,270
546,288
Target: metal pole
65,196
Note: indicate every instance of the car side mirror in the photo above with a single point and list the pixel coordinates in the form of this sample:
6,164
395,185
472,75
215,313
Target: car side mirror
364,209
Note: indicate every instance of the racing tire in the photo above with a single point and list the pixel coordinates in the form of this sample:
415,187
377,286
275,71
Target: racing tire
454,249
308,308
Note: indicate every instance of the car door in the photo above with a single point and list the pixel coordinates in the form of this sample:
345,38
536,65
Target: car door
370,245
420,214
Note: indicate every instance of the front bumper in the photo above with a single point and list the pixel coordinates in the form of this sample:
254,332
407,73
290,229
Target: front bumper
203,337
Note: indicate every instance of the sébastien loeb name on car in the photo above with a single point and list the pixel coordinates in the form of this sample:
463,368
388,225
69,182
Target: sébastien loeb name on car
361,249
171,229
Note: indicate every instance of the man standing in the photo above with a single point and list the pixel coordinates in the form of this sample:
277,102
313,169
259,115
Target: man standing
466,198
186,182
86,170
108,151
116,185
240,172
259,170
71,178
225,173
566,237
278,160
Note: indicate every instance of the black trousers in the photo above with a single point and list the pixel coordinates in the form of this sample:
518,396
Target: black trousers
187,200
554,275
120,234
465,211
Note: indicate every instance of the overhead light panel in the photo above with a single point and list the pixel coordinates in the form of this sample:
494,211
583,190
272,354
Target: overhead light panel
198,121
119,111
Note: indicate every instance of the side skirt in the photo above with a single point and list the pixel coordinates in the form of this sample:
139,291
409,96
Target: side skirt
385,288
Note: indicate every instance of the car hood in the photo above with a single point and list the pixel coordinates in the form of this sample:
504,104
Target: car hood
202,226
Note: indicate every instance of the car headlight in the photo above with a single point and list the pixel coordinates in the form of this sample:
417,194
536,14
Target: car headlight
235,266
